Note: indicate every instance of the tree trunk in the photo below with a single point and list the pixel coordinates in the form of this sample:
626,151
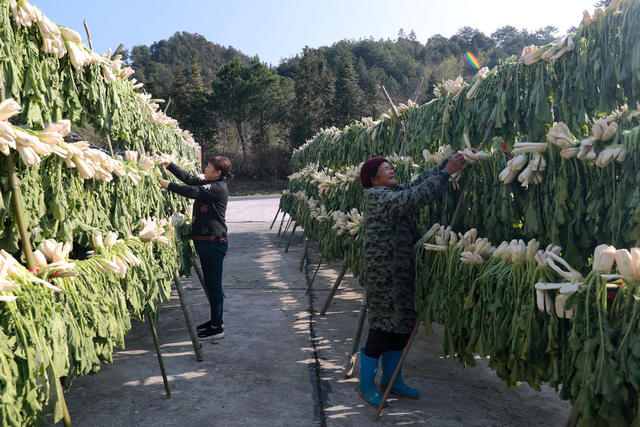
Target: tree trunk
241,136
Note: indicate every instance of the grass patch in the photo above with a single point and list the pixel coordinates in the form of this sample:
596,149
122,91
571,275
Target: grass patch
255,193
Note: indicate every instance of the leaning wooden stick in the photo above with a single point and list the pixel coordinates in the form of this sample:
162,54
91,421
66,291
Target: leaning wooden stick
304,254
351,357
395,373
325,307
284,233
314,275
291,238
395,113
274,218
152,325
197,347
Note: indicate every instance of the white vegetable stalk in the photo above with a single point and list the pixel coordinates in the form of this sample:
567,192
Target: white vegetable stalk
568,272
587,149
8,108
603,258
7,138
603,130
52,41
560,135
529,147
628,264
454,86
24,13
12,269
611,153
514,165
481,75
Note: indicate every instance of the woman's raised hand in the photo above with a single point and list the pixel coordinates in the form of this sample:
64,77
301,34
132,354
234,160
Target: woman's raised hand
454,164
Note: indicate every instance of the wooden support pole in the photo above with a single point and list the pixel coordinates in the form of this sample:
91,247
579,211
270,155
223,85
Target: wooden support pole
284,214
110,147
198,270
285,230
314,275
18,210
351,357
197,347
325,307
416,93
86,28
152,325
304,254
291,238
398,366
395,113
117,51
274,218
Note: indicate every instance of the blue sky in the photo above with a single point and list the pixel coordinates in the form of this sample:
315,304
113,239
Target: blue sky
279,29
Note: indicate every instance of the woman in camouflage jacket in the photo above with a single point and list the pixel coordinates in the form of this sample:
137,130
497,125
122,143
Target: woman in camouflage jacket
390,233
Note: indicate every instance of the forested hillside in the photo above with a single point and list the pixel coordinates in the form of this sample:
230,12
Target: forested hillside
234,103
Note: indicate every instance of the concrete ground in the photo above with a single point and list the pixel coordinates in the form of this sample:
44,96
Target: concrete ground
281,363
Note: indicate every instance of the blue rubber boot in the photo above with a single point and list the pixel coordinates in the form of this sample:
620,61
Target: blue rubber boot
367,387
390,360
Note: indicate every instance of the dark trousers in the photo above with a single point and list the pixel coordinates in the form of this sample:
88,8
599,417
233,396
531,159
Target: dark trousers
379,341
211,257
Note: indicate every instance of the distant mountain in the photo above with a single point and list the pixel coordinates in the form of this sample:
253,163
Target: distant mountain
156,64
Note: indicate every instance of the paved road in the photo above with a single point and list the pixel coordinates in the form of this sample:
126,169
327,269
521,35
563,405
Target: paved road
281,363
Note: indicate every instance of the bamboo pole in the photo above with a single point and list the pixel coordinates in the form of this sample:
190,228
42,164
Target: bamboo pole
18,203
274,218
284,233
152,325
351,357
110,146
197,347
415,328
416,93
86,28
304,253
314,275
117,51
395,113
284,214
198,270
325,307
395,373
291,238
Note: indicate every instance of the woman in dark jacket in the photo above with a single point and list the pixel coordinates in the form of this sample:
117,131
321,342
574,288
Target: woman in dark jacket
390,233
208,231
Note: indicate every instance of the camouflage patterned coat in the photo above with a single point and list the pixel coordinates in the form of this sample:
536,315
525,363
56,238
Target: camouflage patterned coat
390,232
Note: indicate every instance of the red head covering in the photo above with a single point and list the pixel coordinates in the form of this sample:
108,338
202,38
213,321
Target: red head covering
369,169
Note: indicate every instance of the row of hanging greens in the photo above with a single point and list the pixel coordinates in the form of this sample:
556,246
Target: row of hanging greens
66,317
537,318
79,85
575,203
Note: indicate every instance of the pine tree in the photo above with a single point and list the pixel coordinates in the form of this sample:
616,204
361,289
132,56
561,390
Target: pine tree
347,98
